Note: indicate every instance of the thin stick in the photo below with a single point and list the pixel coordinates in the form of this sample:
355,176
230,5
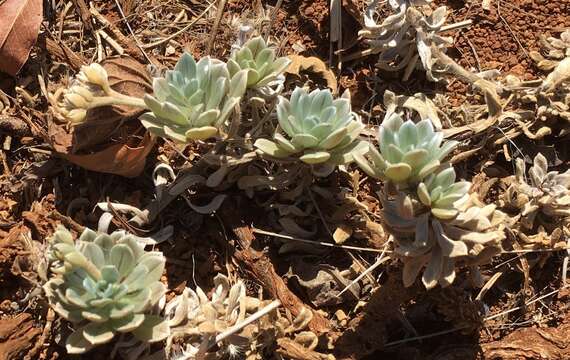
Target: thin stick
132,32
525,251
254,317
457,25
511,30
416,338
170,37
378,262
115,45
489,284
565,264
346,247
216,24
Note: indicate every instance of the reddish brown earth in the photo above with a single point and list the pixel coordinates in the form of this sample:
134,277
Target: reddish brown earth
36,191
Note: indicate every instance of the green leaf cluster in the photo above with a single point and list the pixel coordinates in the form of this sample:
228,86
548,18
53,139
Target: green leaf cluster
105,285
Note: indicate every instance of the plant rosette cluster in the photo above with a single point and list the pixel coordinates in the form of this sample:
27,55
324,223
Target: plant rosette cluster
316,129
195,100
265,71
543,194
407,38
433,220
105,285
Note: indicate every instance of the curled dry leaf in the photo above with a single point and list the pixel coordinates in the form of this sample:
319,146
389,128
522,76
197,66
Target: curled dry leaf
312,64
107,142
21,20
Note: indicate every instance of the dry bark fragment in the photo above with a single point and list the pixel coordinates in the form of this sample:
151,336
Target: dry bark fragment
262,269
16,336
532,343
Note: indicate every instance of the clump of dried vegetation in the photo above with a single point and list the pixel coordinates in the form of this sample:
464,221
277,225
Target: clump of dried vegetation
316,168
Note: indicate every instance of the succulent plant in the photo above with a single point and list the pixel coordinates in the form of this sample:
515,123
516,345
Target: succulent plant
440,193
548,191
89,89
555,50
196,318
406,36
194,100
319,128
105,284
409,152
423,239
264,70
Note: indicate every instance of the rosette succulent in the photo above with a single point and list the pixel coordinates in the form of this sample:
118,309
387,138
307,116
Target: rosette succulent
264,70
192,101
547,192
437,245
105,285
409,152
440,192
316,127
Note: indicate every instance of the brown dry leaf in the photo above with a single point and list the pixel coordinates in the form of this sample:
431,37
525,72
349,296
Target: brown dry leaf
107,142
126,76
19,27
119,159
312,64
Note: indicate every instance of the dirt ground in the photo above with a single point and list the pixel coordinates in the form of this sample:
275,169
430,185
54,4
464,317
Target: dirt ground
518,318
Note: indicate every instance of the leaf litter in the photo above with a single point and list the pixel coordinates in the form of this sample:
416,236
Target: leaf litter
504,121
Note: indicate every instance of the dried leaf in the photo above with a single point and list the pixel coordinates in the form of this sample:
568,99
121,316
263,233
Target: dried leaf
312,64
106,142
126,76
119,159
21,20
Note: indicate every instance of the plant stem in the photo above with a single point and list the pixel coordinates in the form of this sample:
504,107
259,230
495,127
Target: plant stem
117,99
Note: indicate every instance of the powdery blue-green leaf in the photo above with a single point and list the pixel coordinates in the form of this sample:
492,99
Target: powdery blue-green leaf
153,329
128,323
77,344
123,258
98,333
398,172
316,157
270,148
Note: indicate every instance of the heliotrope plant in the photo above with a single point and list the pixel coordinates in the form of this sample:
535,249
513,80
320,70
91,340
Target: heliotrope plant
105,285
316,128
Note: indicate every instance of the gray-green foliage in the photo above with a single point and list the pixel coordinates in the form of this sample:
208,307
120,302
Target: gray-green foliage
194,100
409,152
440,192
264,70
434,223
316,127
105,285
